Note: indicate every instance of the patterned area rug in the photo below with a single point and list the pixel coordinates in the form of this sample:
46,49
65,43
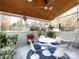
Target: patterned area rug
41,56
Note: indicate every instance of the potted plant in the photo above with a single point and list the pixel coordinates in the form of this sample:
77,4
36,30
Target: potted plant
51,34
41,33
8,44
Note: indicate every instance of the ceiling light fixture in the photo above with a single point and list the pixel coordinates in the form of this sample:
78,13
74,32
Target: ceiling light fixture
29,0
50,8
46,8
47,4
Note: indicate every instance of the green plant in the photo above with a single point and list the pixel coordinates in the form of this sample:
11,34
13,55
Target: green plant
7,45
51,34
7,40
3,39
12,39
41,33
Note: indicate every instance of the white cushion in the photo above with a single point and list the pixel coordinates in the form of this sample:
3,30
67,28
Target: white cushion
46,53
43,47
34,56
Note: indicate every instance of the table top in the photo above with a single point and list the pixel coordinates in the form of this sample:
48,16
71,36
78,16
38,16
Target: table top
47,40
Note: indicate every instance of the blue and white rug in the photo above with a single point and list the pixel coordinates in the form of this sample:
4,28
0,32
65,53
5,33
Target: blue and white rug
41,56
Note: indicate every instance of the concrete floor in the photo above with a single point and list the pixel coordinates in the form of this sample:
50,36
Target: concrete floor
21,52
73,53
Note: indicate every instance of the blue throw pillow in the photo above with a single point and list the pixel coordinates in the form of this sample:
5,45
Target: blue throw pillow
52,50
36,46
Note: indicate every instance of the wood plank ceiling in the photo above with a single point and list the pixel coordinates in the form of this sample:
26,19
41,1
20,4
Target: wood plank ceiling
35,8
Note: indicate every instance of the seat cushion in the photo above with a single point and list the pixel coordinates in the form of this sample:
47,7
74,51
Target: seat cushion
37,46
52,49
55,43
46,53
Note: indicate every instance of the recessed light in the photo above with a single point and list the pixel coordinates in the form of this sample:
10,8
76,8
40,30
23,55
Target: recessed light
29,0
50,8
46,8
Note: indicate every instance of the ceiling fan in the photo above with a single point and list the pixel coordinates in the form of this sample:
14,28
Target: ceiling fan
47,4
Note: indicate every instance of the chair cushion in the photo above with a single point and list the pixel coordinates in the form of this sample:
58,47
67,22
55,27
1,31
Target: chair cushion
35,56
46,53
55,43
43,47
37,46
30,36
52,50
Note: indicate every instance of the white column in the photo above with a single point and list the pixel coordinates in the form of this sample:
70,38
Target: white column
77,31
